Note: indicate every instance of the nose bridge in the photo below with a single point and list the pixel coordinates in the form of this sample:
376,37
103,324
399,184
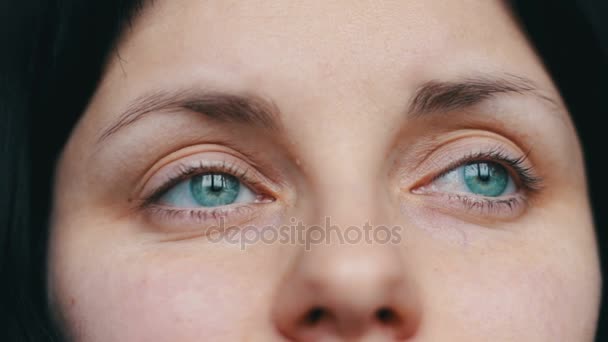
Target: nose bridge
344,167
349,285
352,194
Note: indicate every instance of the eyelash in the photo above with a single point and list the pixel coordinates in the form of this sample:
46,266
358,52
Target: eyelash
185,172
524,173
523,176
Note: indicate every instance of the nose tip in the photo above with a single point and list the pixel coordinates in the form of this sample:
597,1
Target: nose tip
347,294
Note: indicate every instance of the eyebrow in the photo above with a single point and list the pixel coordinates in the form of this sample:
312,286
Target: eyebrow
219,106
441,96
431,97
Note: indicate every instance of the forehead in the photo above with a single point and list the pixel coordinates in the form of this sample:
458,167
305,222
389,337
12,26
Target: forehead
328,39
314,58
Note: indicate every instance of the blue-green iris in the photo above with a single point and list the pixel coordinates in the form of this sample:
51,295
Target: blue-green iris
214,189
486,179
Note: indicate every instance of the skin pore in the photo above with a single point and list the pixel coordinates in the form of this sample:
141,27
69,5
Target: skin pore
349,111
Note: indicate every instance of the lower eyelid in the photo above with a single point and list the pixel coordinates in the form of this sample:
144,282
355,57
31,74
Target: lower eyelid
498,208
199,218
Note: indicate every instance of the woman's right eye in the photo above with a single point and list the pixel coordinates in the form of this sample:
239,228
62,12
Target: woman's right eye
203,189
212,189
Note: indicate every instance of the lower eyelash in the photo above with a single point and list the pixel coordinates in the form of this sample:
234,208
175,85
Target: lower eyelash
191,216
508,207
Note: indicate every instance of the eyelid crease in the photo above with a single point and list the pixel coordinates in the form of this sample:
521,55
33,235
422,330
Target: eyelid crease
277,179
431,147
195,153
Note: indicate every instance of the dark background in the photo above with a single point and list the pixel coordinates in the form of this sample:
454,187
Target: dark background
572,38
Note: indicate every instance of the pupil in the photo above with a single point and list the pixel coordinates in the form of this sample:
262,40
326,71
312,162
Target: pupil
218,183
214,189
486,178
483,172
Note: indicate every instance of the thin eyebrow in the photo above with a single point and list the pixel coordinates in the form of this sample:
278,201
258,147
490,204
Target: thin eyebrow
222,107
441,96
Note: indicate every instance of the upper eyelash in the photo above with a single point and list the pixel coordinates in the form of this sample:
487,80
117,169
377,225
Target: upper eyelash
525,174
184,172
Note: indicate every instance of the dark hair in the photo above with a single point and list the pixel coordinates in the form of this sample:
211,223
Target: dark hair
53,55
54,52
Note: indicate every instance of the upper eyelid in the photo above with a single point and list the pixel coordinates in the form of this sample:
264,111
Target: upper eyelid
457,152
526,180
166,176
187,172
490,156
478,136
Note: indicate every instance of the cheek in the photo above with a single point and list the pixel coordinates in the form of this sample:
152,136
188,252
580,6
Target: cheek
549,301
164,295
517,296
538,280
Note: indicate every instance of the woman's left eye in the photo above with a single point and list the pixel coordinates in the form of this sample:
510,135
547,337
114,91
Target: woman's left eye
213,189
480,178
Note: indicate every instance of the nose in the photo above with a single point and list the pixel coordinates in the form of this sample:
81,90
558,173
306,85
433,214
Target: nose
347,292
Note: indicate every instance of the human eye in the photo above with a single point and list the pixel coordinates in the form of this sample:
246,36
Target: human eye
491,182
208,189
205,189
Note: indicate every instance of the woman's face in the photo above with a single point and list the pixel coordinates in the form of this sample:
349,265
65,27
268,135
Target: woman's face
324,171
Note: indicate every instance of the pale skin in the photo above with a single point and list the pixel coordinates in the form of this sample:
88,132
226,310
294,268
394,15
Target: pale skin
344,142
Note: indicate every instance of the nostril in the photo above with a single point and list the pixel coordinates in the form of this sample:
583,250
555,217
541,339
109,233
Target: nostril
387,316
315,315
